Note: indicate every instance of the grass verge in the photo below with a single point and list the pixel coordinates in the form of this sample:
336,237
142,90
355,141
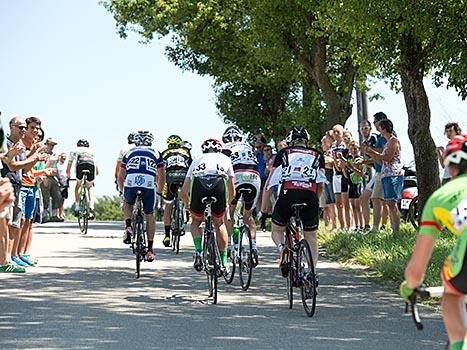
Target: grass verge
386,255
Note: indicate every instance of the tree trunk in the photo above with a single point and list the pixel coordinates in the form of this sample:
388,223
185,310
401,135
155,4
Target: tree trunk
418,110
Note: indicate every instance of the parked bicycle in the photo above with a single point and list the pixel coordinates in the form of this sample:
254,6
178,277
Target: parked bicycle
301,273
178,221
211,258
241,252
138,241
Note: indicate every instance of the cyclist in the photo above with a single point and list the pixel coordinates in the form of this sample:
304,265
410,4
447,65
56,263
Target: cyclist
138,172
446,207
83,157
123,151
301,182
210,175
247,176
177,161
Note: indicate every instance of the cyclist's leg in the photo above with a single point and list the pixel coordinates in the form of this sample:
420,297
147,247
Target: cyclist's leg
310,220
454,316
129,198
167,222
196,210
218,211
77,190
149,202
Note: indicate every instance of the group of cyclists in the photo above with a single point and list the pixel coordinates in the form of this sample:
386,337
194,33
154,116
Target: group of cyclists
226,166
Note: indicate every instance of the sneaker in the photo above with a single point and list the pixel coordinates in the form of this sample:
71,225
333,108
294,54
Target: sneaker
150,255
31,258
198,262
284,262
10,268
254,257
26,260
127,235
166,241
18,261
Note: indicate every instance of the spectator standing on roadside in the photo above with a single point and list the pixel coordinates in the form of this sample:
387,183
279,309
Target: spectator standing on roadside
50,186
368,139
392,173
63,182
259,146
451,130
266,205
328,200
340,182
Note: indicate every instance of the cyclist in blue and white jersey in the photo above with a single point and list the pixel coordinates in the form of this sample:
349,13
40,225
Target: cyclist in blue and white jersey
140,167
245,167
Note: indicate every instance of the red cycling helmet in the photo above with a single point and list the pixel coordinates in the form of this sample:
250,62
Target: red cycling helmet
211,145
456,150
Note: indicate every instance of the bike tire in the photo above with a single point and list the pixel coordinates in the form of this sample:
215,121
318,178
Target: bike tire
231,259
290,287
307,278
139,248
215,267
245,259
83,215
413,213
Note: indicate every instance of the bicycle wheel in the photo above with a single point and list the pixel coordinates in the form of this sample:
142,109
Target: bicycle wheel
245,260
290,285
231,260
413,213
83,216
307,278
139,251
212,269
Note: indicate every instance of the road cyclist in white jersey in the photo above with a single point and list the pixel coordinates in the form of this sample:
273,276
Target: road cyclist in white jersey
84,160
123,151
247,177
210,175
138,172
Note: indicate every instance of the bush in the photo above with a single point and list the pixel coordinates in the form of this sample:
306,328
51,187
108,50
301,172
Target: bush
384,253
108,208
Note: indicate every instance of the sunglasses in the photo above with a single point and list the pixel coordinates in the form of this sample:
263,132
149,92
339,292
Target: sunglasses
20,127
364,128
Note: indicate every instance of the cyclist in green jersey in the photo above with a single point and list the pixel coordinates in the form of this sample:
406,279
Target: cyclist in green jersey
446,207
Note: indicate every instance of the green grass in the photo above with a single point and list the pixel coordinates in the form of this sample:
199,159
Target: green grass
384,254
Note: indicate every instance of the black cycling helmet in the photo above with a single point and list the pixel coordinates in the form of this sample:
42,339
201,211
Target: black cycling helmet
131,138
174,141
186,145
82,143
298,133
232,134
211,145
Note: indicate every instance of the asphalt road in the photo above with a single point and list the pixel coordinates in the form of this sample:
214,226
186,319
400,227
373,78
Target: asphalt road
83,295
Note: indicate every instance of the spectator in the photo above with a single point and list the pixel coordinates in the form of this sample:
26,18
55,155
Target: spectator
368,139
392,173
63,182
259,146
451,130
266,204
340,183
328,200
50,187
347,137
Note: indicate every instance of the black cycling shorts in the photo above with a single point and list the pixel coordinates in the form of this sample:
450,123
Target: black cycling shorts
85,166
355,190
209,186
173,181
459,282
249,198
283,209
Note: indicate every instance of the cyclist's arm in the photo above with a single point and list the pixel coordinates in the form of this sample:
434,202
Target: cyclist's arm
231,188
121,178
160,178
117,169
184,191
97,170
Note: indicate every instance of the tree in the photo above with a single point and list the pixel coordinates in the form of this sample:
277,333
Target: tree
406,40
108,208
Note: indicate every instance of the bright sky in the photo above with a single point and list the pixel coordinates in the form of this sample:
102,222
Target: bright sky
64,62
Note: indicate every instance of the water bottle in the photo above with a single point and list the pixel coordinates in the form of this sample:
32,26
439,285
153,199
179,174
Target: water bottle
236,232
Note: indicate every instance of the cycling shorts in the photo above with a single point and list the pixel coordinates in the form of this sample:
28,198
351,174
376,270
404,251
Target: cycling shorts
454,271
173,181
209,186
85,166
283,209
340,184
148,197
251,181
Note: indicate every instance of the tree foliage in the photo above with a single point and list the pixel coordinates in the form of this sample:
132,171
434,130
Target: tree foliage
107,208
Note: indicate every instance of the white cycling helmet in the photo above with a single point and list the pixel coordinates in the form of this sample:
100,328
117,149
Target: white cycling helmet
211,145
232,134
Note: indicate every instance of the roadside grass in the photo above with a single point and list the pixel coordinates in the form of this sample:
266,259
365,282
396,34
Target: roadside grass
383,253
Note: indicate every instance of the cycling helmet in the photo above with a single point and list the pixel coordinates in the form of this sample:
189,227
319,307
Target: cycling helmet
131,138
143,138
456,150
186,145
298,133
211,145
232,134
174,141
82,143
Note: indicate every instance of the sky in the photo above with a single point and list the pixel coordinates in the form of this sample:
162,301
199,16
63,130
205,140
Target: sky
64,62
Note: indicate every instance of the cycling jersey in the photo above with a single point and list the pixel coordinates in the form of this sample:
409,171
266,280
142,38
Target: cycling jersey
242,156
302,168
447,207
211,164
176,159
141,164
82,155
